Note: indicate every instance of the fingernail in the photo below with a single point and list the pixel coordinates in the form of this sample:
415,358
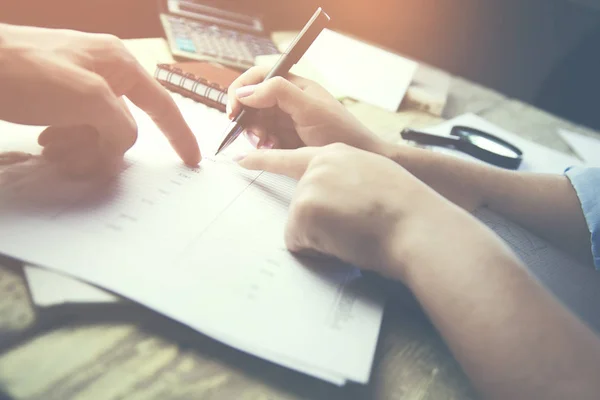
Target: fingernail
245,91
239,157
252,138
228,110
267,145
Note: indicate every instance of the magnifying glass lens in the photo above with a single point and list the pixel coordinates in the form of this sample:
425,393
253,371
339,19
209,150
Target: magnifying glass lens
473,142
492,146
487,143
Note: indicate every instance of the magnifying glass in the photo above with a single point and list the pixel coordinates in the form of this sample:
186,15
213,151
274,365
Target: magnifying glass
474,142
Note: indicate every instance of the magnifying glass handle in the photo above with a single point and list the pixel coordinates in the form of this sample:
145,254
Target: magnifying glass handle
428,138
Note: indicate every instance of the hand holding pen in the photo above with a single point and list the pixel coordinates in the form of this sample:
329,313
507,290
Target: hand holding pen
290,57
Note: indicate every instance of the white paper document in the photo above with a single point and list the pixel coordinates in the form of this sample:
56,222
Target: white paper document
49,288
586,147
536,158
203,246
355,69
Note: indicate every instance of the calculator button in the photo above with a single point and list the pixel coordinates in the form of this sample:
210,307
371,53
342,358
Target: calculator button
185,45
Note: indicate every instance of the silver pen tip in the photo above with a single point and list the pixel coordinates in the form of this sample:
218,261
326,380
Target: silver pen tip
231,133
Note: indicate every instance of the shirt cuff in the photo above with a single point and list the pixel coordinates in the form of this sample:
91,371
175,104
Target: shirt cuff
586,182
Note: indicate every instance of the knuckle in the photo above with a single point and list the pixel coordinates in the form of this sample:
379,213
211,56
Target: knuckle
277,83
252,75
337,147
321,176
303,209
324,171
321,163
308,206
95,89
333,157
255,71
319,87
115,49
128,61
111,40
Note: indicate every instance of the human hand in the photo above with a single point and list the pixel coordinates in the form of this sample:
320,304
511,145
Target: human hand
294,113
73,82
360,207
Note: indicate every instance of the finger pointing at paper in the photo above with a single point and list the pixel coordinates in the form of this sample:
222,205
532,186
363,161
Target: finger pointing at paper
75,83
354,205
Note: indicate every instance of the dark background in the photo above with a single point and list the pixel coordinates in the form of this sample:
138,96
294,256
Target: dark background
545,52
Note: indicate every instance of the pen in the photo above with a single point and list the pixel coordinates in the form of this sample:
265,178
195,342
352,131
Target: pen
291,56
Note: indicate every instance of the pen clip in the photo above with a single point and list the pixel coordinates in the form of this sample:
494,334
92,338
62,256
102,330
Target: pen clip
307,35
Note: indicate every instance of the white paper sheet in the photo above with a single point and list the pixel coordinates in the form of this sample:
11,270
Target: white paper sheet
536,158
203,246
49,288
586,147
354,69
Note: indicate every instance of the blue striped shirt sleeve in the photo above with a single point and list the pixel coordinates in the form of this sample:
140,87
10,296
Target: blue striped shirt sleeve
586,182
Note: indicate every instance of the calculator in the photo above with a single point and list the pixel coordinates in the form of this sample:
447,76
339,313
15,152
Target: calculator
199,30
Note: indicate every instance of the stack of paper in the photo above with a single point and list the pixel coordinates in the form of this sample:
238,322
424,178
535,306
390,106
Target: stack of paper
204,246
48,288
573,284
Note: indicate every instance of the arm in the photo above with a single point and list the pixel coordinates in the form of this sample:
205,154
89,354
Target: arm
543,203
513,339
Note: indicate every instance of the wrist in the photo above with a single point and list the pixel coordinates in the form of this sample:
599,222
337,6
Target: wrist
447,237
418,237
467,184
392,151
373,143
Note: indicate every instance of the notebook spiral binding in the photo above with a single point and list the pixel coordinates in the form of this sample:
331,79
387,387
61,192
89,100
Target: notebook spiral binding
201,90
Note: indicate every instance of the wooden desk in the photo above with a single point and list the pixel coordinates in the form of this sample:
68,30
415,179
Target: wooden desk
131,353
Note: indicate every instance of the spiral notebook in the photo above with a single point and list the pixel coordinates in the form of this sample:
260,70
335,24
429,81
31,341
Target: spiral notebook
205,82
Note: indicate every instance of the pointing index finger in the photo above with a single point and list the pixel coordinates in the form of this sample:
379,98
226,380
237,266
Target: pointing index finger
150,96
292,163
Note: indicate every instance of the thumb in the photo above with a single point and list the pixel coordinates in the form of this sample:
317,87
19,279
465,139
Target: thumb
276,91
292,163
